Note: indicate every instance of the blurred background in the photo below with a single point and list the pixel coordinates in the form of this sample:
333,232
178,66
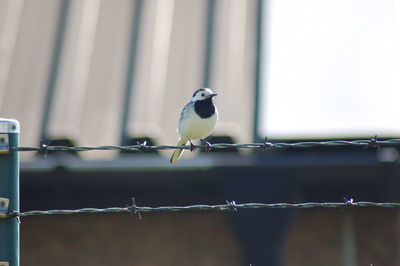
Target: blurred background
118,72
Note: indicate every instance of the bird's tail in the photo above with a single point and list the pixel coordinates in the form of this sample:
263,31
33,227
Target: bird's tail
178,152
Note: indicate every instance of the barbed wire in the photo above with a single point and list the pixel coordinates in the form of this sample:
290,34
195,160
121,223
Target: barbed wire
230,206
372,143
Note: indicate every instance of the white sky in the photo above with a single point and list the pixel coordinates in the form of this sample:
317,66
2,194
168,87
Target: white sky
331,68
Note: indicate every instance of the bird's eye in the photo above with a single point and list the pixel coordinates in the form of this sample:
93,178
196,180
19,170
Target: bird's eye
202,94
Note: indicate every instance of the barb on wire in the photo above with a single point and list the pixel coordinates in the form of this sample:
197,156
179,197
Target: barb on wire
43,148
267,145
372,143
229,207
143,146
134,209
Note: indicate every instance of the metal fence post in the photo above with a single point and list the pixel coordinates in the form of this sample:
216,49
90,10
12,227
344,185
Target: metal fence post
9,192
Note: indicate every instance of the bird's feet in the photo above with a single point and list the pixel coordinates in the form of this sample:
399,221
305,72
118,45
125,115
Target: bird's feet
208,145
192,147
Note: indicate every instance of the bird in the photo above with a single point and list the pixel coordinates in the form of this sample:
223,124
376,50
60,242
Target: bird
198,120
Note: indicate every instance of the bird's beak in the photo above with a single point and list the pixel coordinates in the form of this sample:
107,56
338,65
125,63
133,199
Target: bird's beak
213,95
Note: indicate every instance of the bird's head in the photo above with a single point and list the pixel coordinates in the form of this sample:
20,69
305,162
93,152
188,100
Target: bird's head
203,94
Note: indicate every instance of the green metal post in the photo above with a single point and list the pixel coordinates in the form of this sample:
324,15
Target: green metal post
9,192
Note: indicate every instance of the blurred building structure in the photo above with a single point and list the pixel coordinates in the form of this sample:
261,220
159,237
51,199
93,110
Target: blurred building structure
125,67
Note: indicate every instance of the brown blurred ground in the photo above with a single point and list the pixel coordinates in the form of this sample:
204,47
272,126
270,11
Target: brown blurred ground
157,239
315,238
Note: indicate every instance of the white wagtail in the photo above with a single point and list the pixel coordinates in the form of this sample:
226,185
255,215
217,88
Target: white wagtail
198,120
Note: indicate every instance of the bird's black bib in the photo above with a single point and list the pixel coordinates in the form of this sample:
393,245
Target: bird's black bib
204,108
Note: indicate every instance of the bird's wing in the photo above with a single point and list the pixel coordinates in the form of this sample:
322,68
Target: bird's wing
186,111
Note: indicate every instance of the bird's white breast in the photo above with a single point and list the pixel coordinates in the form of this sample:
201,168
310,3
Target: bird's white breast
193,127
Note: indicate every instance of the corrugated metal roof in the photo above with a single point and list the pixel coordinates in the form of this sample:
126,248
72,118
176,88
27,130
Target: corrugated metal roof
98,71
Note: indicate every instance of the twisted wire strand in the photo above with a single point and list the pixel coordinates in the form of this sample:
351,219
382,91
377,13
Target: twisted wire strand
372,143
229,206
